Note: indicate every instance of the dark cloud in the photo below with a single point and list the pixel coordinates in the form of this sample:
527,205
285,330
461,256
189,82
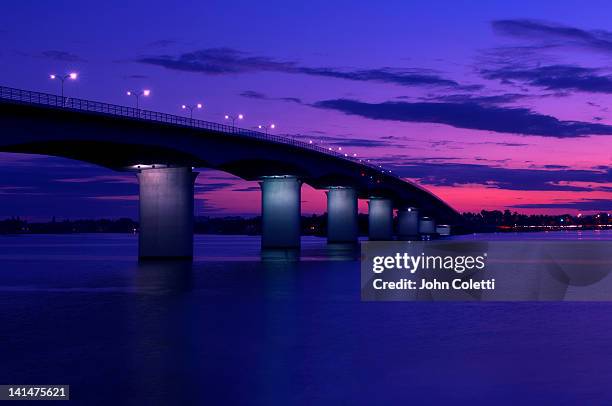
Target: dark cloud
447,143
217,61
162,43
223,61
136,77
209,187
51,185
586,205
291,99
485,100
556,166
251,94
359,142
386,75
470,116
515,55
450,174
62,56
247,189
347,141
507,144
555,33
554,77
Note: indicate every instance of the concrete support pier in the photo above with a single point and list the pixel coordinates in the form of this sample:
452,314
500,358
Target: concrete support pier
166,213
341,215
443,229
380,219
280,212
427,226
407,223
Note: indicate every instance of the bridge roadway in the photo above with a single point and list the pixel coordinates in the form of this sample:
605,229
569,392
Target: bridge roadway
164,149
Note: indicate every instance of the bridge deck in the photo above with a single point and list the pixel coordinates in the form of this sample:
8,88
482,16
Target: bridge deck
114,110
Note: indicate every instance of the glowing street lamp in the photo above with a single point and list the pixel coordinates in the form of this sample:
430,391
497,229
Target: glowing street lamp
234,118
137,94
191,107
62,79
266,127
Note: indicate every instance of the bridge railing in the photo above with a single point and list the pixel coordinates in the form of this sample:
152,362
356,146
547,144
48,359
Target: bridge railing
71,103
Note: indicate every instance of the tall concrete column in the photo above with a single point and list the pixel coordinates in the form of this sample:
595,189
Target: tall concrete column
280,212
341,215
380,219
407,223
166,213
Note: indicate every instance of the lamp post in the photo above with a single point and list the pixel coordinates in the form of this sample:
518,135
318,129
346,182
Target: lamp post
266,127
190,107
62,79
234,118
137,94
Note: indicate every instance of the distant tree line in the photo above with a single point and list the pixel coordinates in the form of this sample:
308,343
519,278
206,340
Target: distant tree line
15,225
311,225
496,220
485,221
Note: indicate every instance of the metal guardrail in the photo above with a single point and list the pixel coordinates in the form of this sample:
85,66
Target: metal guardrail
71,103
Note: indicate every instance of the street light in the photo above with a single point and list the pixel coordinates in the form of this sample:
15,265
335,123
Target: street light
191,107
137,94
266,127
62,79
234,118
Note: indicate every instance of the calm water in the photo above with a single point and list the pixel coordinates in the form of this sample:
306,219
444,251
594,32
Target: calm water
232,329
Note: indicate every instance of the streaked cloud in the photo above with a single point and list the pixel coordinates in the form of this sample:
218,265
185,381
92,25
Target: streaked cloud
457,174
224,61
251,94
101,179
554,77
63,56
585,205
505,98
555,34
468,115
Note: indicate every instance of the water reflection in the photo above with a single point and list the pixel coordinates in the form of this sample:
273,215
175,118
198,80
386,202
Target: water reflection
343,252
232,329
164,277
280,254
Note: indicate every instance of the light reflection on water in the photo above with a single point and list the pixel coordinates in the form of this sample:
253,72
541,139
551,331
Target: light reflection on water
230,328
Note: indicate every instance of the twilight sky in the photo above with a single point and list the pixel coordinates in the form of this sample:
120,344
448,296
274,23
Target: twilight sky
490,105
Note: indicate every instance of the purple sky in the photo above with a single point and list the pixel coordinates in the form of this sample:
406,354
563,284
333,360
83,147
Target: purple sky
488,105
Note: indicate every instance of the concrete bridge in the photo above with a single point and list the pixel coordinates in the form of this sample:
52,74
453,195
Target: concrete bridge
163,150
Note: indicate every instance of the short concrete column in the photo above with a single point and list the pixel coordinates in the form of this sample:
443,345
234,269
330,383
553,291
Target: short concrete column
166,213
407,223
443,229
341,215
427,226
380,219
280,212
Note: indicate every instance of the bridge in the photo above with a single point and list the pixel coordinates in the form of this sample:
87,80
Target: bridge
164,149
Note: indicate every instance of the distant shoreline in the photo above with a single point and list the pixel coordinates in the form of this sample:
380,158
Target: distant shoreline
316,225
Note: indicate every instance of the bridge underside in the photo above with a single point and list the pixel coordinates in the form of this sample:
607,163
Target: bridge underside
129,144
